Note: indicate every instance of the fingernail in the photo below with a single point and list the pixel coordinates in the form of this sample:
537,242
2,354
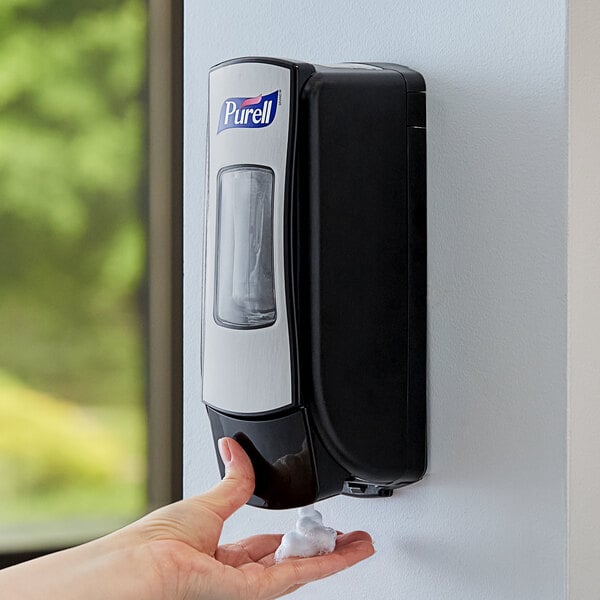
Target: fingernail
224,451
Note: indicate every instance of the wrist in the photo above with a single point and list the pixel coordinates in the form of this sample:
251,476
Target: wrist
108,568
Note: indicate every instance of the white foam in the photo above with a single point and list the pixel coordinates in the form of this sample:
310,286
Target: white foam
310,537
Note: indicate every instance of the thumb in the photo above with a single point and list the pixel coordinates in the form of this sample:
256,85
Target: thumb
198,520
236,487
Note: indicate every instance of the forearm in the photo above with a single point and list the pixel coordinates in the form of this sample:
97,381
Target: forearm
100,570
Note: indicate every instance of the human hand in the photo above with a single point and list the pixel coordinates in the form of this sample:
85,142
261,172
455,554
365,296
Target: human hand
186,534
173,554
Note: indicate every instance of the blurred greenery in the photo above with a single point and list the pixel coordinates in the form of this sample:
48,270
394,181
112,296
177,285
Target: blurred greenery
52,449
72,125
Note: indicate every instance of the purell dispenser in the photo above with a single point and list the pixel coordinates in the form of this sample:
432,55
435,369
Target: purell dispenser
313,350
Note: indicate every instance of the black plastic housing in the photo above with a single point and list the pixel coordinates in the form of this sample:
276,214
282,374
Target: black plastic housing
356,287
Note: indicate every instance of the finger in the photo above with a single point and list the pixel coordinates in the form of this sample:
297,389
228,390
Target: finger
236,487
281,578
261,548
198,520
342,540
352,536
252,549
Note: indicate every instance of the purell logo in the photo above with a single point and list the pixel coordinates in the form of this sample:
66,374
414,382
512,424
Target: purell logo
248,112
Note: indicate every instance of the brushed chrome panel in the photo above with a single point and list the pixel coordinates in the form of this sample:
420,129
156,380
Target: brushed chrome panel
247,371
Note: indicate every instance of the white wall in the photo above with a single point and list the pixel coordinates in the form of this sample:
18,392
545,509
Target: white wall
489,520
584,300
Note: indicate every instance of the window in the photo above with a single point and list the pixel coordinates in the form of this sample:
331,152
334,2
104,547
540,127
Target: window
90,292
245,286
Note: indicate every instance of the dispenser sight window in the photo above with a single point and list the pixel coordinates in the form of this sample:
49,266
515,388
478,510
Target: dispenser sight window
245,286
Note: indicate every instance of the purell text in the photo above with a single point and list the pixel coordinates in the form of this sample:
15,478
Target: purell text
252,113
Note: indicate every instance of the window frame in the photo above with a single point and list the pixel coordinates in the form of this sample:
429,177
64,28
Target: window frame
165,268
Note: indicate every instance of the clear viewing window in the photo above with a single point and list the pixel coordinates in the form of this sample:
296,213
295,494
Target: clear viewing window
245,288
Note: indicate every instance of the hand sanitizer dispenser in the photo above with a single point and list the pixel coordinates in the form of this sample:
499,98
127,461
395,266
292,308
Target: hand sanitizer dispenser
314,312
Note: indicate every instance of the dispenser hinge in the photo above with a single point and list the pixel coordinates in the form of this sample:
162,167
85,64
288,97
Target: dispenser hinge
364,489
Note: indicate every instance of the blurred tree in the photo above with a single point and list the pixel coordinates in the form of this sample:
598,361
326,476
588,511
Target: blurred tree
72,127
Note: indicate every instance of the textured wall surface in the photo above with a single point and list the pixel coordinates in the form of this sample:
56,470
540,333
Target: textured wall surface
584,299
488,522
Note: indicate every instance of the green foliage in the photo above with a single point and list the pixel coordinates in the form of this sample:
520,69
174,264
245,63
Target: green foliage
71,162
72,131
60,460
48,443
